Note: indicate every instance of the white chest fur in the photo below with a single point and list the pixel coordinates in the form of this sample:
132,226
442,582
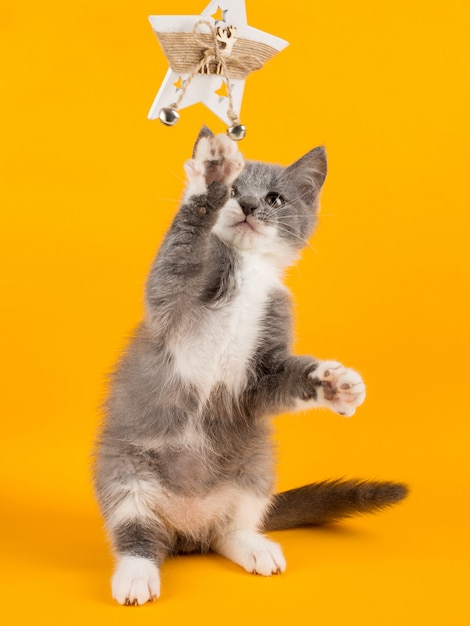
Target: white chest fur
219,347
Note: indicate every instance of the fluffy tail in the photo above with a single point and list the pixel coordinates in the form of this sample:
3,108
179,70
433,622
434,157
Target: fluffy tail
329,501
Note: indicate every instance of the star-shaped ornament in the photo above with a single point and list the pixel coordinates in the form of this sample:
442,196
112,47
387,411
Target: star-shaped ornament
210,55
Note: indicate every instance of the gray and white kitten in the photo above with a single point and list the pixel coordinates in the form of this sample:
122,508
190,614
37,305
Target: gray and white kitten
184,460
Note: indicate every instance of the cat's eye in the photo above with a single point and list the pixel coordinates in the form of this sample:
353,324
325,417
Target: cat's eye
275,200
234,192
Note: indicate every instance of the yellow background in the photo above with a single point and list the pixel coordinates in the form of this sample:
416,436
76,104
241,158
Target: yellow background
88,186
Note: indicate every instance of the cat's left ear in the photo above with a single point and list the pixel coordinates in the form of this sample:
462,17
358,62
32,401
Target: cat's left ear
309,172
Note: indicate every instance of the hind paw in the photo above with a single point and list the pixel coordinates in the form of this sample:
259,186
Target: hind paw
253,552
135,581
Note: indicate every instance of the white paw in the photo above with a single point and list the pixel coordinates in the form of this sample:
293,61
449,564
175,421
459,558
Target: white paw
195,173
215,159
341,389
253,552
135,581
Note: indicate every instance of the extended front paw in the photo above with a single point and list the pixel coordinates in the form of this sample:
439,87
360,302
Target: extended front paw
339,388
215,159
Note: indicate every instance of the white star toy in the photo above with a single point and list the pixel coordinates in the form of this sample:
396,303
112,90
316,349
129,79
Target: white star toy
207,54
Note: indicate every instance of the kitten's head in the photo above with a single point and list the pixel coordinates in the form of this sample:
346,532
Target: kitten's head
272,209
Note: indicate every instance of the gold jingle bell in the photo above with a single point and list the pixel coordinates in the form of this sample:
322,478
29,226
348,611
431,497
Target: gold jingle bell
168,116
237,132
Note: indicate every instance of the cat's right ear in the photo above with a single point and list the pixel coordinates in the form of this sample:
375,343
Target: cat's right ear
204,132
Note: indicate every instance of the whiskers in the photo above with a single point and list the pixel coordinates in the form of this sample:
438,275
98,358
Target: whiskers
292,232
283,221
178,177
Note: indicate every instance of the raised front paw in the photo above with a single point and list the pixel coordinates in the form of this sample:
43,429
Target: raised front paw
215,159
339,388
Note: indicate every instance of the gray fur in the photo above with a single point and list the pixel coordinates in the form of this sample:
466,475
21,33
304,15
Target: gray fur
329,501
151,407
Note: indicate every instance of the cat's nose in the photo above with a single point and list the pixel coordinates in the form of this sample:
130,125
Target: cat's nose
248,204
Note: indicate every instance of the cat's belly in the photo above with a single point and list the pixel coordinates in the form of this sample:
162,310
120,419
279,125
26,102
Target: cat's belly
193,516
196,517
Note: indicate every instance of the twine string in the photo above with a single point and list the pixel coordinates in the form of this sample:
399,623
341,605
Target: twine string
212,55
